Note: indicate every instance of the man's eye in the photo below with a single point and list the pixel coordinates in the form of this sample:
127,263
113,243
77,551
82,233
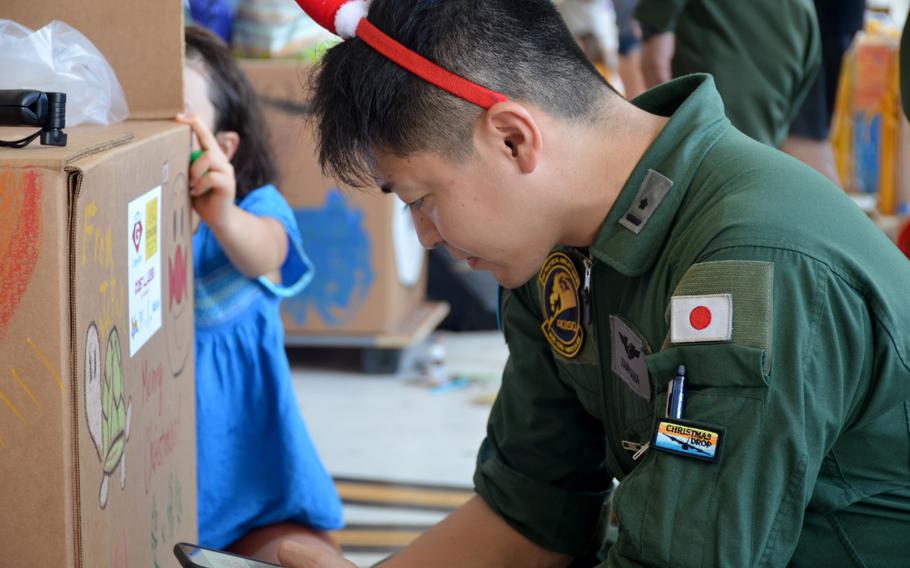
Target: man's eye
414,205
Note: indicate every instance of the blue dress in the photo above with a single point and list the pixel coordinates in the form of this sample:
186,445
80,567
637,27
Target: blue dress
257,464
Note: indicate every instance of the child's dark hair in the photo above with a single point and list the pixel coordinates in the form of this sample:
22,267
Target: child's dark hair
236,108
520,48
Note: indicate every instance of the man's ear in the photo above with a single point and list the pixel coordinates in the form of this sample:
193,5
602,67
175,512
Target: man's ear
229,141
509,130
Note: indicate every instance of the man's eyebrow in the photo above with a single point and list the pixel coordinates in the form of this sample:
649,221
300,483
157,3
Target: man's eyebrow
387,188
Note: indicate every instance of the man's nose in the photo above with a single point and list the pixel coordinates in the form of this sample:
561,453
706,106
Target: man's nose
426,230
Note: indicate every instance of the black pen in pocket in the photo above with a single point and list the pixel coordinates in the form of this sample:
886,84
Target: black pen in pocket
675,394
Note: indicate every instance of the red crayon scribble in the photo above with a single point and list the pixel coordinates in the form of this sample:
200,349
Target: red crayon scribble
176,277
161,441
121,554
20,236
152,380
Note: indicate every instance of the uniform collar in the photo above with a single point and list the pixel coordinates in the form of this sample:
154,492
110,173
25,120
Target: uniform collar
696,122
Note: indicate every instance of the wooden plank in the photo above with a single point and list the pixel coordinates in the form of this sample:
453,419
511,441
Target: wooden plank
377,538
402,496
409,331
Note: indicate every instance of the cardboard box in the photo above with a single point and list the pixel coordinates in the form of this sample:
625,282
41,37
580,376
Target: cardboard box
97,382
143,42
370,267
870,134
97,425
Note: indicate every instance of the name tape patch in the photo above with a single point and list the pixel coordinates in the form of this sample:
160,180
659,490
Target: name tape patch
628,357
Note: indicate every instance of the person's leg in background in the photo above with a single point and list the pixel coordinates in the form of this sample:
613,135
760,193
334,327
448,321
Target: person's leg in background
629,48
808,140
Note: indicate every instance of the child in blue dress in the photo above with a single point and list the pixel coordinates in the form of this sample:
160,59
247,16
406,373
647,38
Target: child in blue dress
257,464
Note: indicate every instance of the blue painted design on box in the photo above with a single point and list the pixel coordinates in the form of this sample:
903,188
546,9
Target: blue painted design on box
340,249
867,140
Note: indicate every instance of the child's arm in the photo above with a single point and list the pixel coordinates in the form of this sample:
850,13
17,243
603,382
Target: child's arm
254,245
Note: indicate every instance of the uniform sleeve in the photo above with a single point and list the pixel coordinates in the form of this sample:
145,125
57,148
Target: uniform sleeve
782,402
541,466
659,15
297,270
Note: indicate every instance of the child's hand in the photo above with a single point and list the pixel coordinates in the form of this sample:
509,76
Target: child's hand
213,187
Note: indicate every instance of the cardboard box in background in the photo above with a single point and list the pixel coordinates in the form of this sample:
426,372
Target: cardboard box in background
870,134
275,29
143,42
98,422
370,267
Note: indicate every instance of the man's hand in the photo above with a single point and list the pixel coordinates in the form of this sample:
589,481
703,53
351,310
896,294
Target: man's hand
657,58
293,554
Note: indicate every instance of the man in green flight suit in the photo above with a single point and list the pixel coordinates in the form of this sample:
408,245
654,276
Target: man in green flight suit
686,309
763,54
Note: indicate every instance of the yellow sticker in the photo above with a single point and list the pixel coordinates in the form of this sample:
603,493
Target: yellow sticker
559,283
151,228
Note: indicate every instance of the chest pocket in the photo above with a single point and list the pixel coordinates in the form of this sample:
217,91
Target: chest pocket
726,365
713,372
726,388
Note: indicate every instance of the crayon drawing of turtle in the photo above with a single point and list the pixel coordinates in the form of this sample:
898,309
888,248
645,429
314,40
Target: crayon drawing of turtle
107,411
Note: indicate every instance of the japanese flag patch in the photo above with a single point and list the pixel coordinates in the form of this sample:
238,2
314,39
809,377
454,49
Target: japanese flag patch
707,318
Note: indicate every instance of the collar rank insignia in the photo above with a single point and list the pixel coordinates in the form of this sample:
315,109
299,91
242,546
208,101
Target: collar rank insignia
559,284
685,438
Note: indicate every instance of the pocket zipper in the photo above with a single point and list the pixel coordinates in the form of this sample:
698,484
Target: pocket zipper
639,449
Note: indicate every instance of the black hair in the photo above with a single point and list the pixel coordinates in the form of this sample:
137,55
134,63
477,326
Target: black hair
520,48
236,109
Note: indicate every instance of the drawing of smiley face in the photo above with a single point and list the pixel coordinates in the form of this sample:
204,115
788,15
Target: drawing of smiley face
176,227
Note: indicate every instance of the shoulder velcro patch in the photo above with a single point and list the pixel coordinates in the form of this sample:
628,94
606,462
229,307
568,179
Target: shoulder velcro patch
726,300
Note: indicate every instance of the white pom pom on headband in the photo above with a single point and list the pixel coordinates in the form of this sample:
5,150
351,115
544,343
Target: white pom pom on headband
347,18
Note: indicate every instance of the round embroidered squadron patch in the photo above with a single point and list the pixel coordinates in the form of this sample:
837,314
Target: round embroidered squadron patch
559,283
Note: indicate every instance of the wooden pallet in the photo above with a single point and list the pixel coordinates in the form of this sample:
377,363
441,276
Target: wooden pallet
380,353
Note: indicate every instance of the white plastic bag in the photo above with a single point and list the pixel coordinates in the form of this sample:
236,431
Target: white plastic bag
57,58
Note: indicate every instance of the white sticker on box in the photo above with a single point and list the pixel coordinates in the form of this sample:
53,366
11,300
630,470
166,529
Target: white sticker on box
144,260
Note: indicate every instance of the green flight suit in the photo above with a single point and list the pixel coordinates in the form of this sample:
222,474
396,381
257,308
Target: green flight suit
811,388
763,54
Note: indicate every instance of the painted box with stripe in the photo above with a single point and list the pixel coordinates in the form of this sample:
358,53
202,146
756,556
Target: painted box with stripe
97,394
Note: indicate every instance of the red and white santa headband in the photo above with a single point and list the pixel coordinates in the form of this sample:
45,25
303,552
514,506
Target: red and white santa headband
348,18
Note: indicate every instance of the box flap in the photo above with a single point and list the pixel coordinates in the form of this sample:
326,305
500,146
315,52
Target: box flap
82,141
143,42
